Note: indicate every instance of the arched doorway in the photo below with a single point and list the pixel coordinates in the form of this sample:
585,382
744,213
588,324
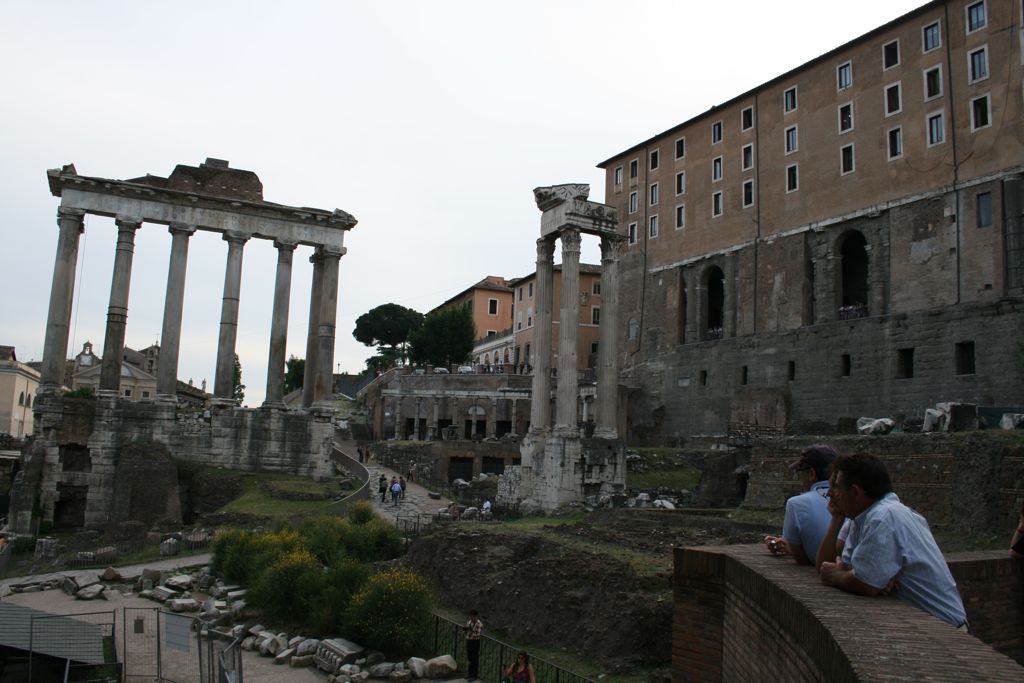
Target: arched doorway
854,288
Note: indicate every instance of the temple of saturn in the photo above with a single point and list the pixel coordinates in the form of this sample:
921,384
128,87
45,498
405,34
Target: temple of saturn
72,474
558,464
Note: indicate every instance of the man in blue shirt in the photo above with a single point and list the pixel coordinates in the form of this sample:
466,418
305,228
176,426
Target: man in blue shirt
890,546
807,515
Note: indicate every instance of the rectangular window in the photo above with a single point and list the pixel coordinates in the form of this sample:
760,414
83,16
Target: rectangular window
893,100
652,229
844,76
743,375
520,293
716,204
633,204
933,83
965,358
748,193
844,365
655,159
618,176
680,216
492,307
127,393
936,129
904,363
791,140
895,143
891,54
976,16
654,194
530,290
846,159
980,113
593,348
747,118
680,148
145,394
631,235
716,169
703,378
716,132
748,157
846,117
789,100
977,63
792,178
595,316
791,370
681,182
983,209
931,37
634,168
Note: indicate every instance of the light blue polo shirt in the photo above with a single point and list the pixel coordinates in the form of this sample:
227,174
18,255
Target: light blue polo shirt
891,540
807,519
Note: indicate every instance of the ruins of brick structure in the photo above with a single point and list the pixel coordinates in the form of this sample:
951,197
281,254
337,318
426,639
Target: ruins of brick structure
71,476
560,465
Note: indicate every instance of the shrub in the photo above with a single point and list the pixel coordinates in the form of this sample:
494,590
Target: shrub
342,580
290,587
232,552
373,541
360,512
392,612
323,536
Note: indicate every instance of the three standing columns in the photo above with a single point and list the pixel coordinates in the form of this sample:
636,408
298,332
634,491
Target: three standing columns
62,291
540,408
117,311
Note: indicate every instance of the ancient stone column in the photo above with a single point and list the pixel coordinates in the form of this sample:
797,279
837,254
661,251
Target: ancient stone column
608,347
416,420
224,382
540,409
309,375
515,416
399,427
117,311
279,325
568,330
324,382
62,293
492,427
437,413
174,300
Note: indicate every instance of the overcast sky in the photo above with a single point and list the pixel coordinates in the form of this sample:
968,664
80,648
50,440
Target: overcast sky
430,122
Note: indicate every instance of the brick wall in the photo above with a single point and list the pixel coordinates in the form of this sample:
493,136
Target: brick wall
742,614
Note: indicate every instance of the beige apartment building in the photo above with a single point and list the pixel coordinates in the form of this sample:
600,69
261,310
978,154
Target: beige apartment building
843,240
18,384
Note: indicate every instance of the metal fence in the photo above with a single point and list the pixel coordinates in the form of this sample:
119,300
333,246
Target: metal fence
79,648
495,656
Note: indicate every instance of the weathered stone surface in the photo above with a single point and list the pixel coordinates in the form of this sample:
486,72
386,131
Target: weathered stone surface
110,574
236,594
170,547
257,629
307,647
294,641
183,605
438,667
402,676
381,670
69,585
179,582
153,576
163,593
301,661
417,666
249,643
89,592
284,656
374,658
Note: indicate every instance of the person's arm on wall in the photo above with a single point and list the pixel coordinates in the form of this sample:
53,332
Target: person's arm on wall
830,548
838,575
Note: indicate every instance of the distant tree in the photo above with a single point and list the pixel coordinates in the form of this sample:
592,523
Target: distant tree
294,374
387,327
238,392
446,337
381,361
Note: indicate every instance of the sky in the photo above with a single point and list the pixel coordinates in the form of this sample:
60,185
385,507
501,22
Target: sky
430,122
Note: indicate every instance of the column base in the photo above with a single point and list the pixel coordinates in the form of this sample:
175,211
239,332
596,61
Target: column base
223,403
167,398
274,405
606,433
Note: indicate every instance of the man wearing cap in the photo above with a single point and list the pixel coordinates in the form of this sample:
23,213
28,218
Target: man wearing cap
807,515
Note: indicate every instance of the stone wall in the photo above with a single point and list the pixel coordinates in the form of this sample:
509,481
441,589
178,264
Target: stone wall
743,614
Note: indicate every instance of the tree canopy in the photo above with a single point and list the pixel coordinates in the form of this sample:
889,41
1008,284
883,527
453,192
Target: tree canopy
238,390
294,374
387,326
445,338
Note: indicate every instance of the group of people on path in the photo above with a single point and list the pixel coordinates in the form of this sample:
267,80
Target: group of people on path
520,670
396,487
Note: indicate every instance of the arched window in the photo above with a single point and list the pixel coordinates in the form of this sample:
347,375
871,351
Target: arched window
854,284
28,400
714,320
21,399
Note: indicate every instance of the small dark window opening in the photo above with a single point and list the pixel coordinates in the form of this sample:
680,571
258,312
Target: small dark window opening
855,276
716,304
965,358
74,457
904,363
682,309
844,365
791,370
743,375
984,209
703,378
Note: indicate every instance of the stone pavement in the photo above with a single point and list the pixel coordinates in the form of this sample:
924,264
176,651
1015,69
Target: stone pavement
416,499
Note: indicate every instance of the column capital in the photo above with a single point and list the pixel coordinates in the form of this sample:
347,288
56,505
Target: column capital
332,252
545,249
235,237
611,248
284,245
127,223
181,229
67,213
571,239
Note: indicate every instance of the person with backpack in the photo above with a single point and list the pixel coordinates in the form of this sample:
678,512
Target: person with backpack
396,491
382,487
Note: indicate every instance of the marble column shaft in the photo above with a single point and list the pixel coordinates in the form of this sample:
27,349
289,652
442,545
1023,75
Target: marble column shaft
279,324
608,347
568,331
492,428
117,311
224,382
174,301
309,375
540,408
62,294
324,381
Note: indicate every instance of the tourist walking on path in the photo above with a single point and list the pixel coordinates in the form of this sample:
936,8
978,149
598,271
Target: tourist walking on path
401,482
521,670
474,628
396,491
382,487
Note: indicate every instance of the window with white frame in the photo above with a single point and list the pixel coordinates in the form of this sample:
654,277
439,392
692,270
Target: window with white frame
933,83
716,204
716,169
891,54
680,148
792,142
631,233
652,226
846,159
655,158
936,128
716,132
977,64
595,316
980,113
846,117
618,177
748,193
747,118
681,182
844,76
792,178
789,100
634,168
595,288
653,194
931,37
748,156
492,307
680,216
893,99
633,202
895,143
977,17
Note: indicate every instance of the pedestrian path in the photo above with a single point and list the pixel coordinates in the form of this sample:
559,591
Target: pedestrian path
416,501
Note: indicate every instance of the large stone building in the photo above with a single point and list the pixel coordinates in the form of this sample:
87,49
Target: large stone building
18,385
843,240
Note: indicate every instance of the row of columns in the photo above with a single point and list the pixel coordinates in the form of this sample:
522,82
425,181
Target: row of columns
323,313
492,421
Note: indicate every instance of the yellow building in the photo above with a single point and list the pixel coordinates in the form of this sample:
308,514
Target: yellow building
18,384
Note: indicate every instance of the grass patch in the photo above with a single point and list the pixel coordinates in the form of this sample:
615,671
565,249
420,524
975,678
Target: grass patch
686,478
255,501
765,517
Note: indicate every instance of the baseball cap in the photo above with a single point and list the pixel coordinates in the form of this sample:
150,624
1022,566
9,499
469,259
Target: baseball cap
819,456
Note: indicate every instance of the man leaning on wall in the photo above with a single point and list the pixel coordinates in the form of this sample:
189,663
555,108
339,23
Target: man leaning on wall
807,515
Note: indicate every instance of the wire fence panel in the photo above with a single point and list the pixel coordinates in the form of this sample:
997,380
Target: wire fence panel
140,644
78,647
179,648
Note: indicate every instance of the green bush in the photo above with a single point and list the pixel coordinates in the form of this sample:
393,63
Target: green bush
232,552
342,580
290,587
360,512
392,612
373,541
323,536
